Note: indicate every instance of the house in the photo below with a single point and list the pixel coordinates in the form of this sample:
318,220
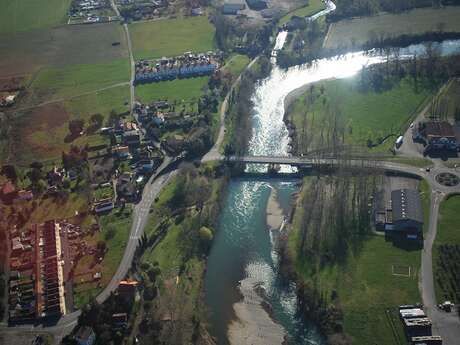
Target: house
437,135
24,195
145,166
417,327
85,336
120,320
131,137
257,4
233,6
104,207
121,152
127,289
407,214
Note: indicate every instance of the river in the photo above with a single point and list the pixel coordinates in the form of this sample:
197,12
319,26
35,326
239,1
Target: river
243,265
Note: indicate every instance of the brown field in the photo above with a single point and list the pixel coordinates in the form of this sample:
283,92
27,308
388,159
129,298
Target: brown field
418,21
25,53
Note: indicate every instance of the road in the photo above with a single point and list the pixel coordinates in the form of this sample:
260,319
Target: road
131,57
214,152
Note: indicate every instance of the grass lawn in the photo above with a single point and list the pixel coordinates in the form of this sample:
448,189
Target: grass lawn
68,81
115,229
366,288
236,64
171,37
363,114
24,15
179,91
417,21
44,138
373,279
313,7
446,251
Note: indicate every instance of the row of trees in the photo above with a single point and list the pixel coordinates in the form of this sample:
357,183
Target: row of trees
353,8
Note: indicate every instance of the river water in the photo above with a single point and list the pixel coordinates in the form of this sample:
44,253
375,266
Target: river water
244,250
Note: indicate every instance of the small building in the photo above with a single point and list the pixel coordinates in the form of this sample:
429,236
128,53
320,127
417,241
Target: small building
25,195
131,137
427,340
437,135
104,207
414,313
120,320
85,336
257,4
127,289
417,327
407,214
232,7
121,152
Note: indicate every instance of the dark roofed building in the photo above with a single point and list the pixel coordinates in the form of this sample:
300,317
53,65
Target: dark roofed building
407,213
233,6
439,135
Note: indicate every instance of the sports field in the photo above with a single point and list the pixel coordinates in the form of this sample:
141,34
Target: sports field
25,15
379,278
418,21
171,37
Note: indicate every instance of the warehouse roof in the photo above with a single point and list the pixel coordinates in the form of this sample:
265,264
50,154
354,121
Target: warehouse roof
406,205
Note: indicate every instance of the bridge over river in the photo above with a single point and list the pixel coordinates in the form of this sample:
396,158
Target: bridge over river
313,162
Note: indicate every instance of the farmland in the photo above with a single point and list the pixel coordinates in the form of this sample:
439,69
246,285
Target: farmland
55,83
446,252
363,115
171,37
25,15
43,130
360,30
179,91
313,7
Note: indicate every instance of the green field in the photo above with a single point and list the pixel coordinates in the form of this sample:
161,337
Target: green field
374,276
120,226
313,7
360,30
155,39
360,115
24,15
447,247
366,287
236,64
186,91
43,138
68,81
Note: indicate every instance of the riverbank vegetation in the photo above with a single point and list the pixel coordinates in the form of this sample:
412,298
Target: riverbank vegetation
238,120
171,259
355,8
349,279
385,29
366,112
446,252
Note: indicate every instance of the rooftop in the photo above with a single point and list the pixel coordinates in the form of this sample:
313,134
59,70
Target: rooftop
407,205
